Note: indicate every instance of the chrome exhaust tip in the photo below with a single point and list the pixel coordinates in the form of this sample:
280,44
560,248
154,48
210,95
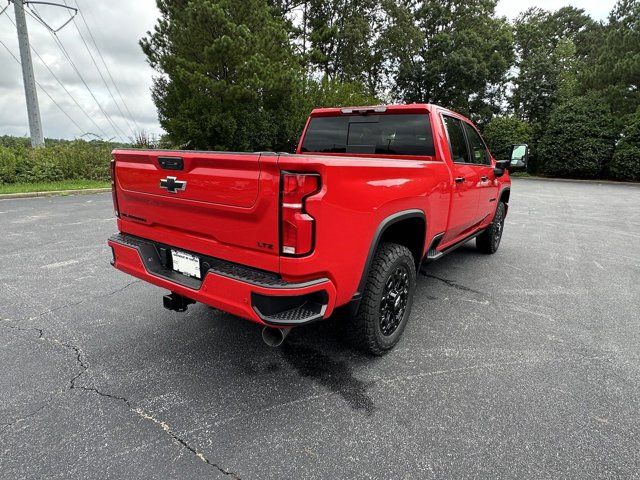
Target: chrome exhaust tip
274,337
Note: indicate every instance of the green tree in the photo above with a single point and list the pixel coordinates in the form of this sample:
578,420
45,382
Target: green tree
615,70
228,76
501,133
326,93
336,38
567,63
332,93
578,140
625,164
550,49
452,52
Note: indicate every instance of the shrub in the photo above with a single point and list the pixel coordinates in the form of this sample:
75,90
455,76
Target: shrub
625,164
47,165
11,142
8,165
56,161
503,132
578,140
95,160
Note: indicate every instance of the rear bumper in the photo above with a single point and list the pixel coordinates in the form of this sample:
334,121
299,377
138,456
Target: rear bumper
257,295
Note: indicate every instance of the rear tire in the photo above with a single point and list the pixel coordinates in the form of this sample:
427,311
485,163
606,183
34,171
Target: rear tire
386,302
489,240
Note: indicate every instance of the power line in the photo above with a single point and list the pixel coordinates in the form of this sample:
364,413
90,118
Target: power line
64,51
66,54
106,66
43,89
95,64
60,45
54,30
62,85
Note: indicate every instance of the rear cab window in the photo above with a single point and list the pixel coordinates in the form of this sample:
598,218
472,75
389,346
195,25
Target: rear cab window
465,142
390,134
457,141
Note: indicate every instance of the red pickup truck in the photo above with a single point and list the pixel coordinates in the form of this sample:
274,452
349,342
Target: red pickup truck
345,223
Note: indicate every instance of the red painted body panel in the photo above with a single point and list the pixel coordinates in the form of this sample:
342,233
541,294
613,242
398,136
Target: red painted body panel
356,196
217,291
230,209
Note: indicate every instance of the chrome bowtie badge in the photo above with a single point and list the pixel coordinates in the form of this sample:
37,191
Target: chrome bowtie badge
172,184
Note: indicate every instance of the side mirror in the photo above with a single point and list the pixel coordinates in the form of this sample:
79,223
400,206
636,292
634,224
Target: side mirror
519,158
501,166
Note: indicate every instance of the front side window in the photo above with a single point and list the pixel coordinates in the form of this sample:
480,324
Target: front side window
405,134
457,142
479,154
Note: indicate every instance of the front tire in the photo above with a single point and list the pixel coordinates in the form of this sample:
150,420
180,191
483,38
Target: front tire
386,301
489,240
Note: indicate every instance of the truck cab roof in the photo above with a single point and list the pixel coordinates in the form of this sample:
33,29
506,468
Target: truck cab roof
405,108
388,108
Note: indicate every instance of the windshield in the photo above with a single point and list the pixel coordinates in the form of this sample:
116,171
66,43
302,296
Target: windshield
407,134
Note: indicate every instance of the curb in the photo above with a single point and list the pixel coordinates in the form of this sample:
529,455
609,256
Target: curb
576,180
54,193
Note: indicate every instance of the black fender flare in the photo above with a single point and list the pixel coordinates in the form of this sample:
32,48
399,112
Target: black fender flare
382,227
502,192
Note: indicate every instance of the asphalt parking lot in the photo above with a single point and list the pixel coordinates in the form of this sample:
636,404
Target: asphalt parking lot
525,364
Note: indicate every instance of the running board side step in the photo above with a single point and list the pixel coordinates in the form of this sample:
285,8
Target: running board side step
434,254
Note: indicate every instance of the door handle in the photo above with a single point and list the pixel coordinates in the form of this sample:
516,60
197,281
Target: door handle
459,179
484,179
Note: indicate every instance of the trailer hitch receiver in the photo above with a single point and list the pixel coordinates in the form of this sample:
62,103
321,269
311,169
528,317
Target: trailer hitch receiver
176,302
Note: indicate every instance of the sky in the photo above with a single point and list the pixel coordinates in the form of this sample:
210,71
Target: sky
116,26
598,9
119,110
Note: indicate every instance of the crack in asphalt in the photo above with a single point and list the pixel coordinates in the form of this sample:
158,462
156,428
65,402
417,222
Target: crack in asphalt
117,290
79,302
24,329
136,410
455,285
53,310
26,417
182,442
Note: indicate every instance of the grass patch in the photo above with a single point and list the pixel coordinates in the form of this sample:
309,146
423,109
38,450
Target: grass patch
520,174
52,186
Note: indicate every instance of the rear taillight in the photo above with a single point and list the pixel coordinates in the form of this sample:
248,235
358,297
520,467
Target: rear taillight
113,187
297,226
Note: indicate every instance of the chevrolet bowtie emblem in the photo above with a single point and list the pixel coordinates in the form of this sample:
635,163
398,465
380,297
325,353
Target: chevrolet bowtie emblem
172,184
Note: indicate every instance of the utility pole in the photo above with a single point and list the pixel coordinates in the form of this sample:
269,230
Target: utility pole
30,92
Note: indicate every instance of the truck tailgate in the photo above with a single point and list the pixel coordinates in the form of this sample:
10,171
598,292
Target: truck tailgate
221,204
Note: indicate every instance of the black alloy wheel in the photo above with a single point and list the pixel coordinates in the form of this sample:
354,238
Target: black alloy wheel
394,300
489,240
386,301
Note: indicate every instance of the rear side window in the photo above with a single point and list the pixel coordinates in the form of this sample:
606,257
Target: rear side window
479,153
457,141
373,134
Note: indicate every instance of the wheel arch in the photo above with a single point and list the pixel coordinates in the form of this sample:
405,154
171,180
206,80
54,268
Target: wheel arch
399,228
505,194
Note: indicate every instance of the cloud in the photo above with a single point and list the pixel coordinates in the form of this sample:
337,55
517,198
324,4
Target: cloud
117,27
598,9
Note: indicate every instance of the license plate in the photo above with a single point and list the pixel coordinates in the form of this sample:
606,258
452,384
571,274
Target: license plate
186,263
